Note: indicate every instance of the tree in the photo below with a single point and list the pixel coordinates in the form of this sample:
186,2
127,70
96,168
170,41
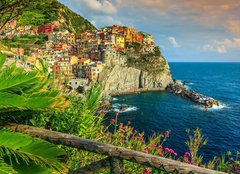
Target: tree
26,91
11,9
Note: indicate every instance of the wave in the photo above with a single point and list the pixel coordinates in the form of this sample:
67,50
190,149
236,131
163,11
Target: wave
130,109
114,99
116,108
213,108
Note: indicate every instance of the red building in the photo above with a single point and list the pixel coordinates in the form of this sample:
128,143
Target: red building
46,29
56,69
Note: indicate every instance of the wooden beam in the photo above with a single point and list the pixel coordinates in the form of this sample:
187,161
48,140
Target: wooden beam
110,150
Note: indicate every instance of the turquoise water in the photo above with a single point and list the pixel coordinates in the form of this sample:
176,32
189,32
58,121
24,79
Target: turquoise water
161,111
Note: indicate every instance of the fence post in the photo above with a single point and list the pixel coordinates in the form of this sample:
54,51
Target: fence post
116,166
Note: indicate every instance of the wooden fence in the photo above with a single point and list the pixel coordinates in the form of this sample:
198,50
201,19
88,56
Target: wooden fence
115,154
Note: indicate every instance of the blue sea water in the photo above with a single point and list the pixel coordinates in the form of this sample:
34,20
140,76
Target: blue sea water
161,111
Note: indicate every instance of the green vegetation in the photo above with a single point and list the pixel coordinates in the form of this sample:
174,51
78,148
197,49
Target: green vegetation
23,92
25,42
40,12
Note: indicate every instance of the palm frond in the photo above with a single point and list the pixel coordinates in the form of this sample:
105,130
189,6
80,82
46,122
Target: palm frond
6,168
2,59
19,148
22,90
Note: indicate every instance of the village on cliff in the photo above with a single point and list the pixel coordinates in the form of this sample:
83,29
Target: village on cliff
81,56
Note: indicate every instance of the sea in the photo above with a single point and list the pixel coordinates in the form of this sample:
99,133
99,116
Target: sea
156,112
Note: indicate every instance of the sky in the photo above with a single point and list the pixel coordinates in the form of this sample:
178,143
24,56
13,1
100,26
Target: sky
186,30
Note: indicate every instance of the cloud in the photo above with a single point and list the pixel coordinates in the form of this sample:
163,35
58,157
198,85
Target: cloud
173,42
99,7
222,46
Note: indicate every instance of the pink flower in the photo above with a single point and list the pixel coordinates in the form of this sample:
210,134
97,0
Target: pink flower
195,164
123,141
160,147
147,171
174,154
149,148
145,151
133,137
121,124
129,122
167,150
140,138
112,121
143,142
187,154
122,131
135,131
103,111
160,154
167,133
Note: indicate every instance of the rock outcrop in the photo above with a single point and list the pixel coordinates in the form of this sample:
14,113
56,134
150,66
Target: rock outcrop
122,79
179,89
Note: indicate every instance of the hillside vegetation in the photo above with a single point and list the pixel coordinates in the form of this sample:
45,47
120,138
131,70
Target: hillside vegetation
41,11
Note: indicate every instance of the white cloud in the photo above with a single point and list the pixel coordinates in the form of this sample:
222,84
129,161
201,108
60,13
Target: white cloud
102,7
222,46
173,42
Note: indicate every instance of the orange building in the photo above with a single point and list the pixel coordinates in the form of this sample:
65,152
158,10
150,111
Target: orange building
138,38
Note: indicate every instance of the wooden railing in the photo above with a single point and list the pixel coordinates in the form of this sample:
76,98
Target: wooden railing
115,154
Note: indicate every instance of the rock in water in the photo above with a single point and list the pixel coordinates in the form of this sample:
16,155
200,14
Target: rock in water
178,89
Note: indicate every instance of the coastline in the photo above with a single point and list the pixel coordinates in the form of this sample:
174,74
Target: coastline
136,91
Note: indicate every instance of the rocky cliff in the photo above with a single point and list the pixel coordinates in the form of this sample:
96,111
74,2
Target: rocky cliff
129,78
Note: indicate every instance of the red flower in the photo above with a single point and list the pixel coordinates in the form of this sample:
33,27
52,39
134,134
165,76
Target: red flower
149,148
145,151
103,111
187,154
147,171
167,133
122,131
140,138
112,121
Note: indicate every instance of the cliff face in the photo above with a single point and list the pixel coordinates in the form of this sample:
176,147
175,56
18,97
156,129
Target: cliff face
122,79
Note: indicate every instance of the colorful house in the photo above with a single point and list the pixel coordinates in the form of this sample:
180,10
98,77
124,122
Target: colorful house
46,29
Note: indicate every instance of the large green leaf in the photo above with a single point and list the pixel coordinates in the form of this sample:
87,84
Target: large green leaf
21,150
22,90
6,168
2,60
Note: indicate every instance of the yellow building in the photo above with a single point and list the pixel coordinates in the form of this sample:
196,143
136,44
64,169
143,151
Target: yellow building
120,41
71,38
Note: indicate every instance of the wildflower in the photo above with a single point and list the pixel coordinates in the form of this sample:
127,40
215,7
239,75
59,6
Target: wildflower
133,137
140,138
167,133
135,131
147,171
103,111
123,141
145,151
167,150
149,148
112,121
187,154
122,131
160,147
175,154
195,164
143,142
160,154
121,124
129,122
